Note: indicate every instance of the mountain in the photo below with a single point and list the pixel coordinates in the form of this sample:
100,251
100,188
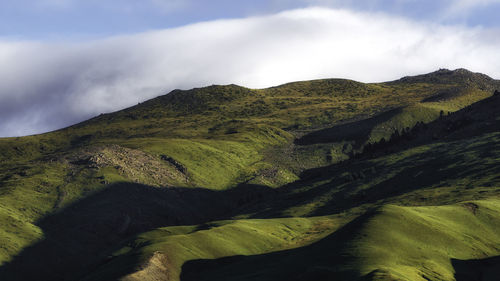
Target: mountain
316,180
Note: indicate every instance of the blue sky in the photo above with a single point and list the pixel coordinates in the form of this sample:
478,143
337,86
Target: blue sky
64,61
81,19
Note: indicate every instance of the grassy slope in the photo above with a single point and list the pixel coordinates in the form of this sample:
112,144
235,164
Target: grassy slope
25,199
423,246
414,241
441,173
214,240
391,243
432,174
216,132
223,135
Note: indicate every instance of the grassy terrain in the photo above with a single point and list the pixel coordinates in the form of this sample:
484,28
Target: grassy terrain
214,240
390,243
153,191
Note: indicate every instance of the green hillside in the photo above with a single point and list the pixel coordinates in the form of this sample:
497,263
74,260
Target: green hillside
390,243
315,180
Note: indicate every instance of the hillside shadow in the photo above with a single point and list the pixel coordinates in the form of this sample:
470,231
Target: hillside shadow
318,261
446,165
354,183
331,258
477,270
444,95
359,182
82,236
357,131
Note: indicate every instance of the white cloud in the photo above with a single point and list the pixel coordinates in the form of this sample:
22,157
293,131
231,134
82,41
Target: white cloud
50,85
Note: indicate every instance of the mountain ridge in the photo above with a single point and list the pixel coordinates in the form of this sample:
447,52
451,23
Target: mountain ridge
191,158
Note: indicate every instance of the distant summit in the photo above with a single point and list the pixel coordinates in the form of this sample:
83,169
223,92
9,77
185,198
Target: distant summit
460,76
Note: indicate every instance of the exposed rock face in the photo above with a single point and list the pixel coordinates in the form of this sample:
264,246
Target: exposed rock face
156,269
133,164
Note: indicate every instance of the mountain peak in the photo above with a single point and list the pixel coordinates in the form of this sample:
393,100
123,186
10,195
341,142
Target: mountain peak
460,76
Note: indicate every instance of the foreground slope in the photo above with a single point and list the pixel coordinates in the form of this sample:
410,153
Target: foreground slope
110,198
390,243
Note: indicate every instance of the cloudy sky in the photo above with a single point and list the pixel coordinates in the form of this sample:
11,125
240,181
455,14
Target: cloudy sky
63,61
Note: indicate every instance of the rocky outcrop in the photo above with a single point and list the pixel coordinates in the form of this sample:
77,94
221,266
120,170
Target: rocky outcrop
156,269
134,164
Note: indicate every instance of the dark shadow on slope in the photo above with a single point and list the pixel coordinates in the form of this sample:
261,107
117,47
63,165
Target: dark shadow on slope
80,238
445,95
450,164
356,182
358,131
328,259
335,257
457,157
477,270
474,120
